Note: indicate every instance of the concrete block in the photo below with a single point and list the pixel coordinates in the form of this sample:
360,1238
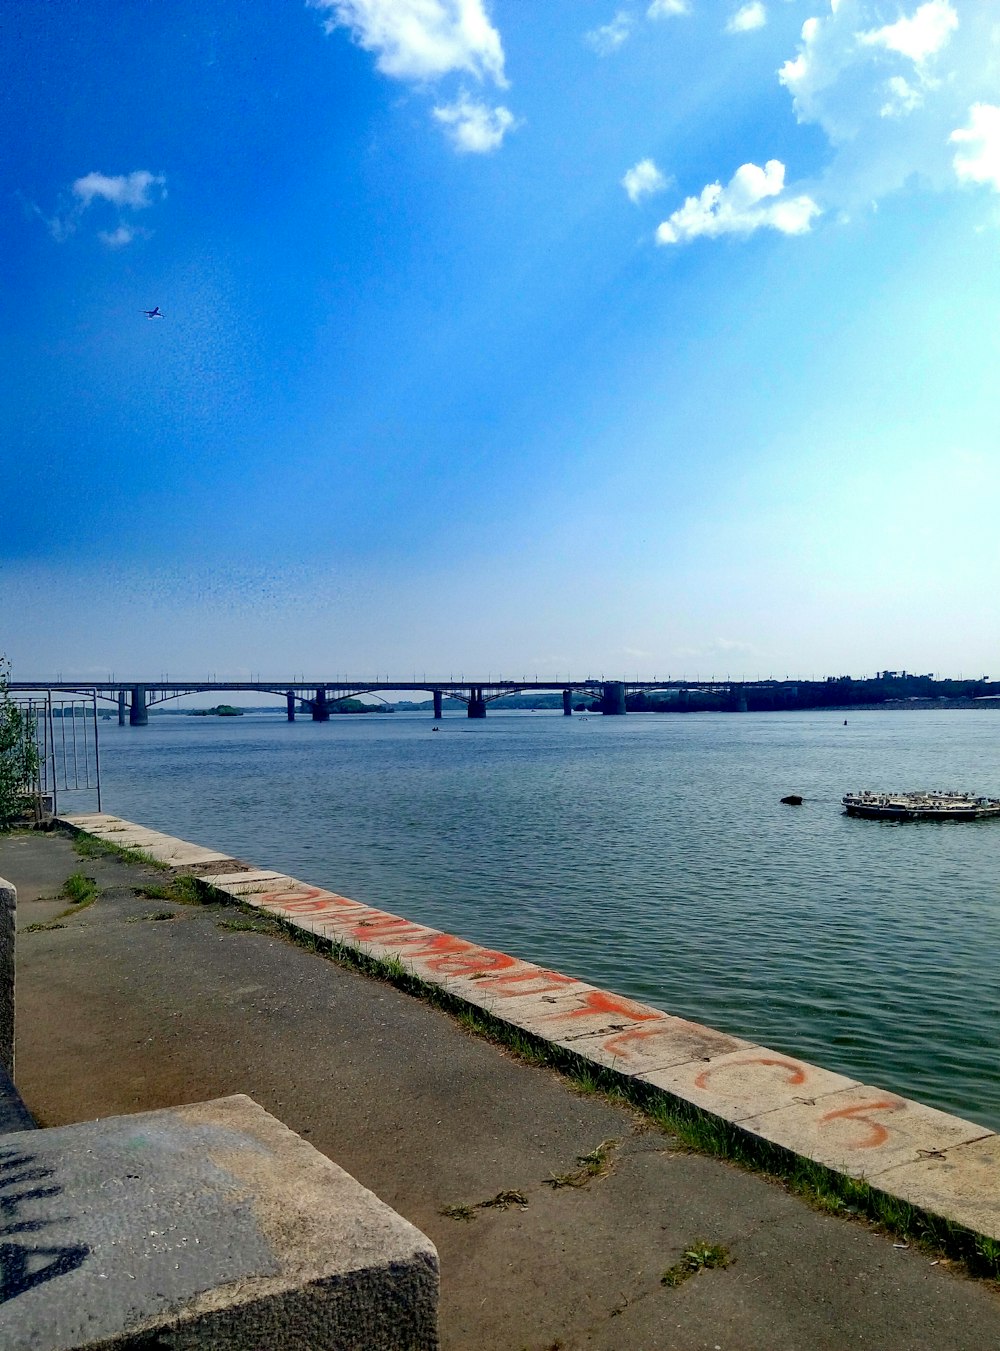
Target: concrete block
958,1183
654,1045
254,878
210,1225
8,916
164,848
577,1012
747,1083
862,1131
500,991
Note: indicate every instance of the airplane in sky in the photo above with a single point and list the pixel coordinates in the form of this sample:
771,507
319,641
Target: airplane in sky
153,314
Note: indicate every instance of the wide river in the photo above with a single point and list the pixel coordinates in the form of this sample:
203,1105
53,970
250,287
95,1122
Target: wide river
649,854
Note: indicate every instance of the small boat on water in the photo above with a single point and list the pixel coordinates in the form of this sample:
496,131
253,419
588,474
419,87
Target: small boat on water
925,806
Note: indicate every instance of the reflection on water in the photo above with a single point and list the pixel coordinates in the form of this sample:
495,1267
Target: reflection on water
650,854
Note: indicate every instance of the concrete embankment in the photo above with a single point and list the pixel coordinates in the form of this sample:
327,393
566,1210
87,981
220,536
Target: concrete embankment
941,1163
539,1246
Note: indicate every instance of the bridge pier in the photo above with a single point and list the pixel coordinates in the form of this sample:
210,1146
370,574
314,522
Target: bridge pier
567,703
320,708
121,708
477,704
290,705
739,698
138,714
437,705
613,697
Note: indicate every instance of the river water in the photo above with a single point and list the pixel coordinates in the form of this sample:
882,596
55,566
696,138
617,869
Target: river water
649,854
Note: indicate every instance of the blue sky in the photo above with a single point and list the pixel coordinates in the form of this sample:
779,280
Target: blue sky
564,337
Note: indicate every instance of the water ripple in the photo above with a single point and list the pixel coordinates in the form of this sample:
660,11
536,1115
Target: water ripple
650,854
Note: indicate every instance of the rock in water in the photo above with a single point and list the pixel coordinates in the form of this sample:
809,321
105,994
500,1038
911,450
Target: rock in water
792,800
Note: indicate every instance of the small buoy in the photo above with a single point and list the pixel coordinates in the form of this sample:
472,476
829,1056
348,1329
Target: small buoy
792,800
845,722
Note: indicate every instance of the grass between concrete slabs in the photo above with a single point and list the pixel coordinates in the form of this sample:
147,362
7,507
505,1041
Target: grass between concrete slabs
91,846
692,1129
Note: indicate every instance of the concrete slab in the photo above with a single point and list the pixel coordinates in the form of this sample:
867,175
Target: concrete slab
301,904
863,1131
961,1182
207,1225
492,989
247,886
164,848
655,1044
92,821
577,1011
248,876
747,1083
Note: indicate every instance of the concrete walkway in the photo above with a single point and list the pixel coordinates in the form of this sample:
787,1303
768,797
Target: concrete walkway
137,1003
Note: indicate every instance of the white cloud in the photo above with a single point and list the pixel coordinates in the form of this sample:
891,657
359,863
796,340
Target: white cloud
117,239
126,193
739,207
919,37
424,41
665,9
888,95
980,162
903,97
747,18
133,190
643,180
610,36
474,127
421,39
835,77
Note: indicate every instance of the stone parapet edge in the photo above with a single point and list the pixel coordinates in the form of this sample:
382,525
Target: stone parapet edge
8,926
943,1166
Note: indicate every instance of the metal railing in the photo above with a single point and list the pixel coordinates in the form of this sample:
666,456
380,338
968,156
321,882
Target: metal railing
64,728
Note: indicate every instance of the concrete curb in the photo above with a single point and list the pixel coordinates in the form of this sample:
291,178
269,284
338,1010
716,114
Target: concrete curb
940,1164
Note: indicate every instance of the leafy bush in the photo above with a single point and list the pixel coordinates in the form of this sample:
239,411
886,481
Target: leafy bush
18,756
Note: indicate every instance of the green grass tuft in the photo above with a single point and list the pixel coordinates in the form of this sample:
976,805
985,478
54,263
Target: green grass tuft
700,1256
79,889
250,924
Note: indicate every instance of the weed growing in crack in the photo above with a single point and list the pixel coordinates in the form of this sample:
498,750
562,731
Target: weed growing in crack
593,1165
502,1201
700,1256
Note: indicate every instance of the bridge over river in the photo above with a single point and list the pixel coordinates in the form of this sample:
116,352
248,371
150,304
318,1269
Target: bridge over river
317,697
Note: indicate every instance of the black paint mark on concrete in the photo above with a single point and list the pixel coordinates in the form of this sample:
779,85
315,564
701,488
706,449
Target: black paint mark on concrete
22,1265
